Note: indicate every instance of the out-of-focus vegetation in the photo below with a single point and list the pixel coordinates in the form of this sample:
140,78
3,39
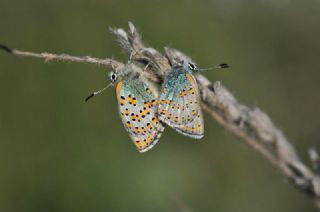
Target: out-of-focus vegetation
58,153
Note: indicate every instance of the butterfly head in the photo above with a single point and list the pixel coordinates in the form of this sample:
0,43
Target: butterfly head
191,67
129,72
113,76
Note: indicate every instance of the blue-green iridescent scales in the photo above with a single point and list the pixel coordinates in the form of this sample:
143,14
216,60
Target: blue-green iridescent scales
179,103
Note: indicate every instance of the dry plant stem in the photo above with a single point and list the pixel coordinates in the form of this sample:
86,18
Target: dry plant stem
63,57
250,125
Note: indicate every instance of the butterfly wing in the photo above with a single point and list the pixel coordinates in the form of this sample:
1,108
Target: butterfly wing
179,103
137,107
193,129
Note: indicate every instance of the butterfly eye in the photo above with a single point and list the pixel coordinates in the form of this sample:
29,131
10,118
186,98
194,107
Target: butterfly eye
192,66
113,76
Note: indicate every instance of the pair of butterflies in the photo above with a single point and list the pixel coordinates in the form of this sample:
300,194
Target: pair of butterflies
145,114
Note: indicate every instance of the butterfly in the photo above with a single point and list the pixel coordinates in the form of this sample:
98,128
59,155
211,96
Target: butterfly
137,103
137,100
179,101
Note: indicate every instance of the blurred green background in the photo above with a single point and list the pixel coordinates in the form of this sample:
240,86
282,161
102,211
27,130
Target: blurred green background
58,153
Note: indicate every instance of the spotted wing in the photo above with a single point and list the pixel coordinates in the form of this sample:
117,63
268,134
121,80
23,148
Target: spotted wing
137,107
193,129
179,103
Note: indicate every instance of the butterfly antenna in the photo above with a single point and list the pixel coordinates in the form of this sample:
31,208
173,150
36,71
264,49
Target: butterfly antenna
96,93
222,65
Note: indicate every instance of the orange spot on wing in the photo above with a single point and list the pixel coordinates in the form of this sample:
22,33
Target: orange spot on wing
149,139
191,80
155,120
139,144
183,93
154,102
122,101
129,125
148,104
118,88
